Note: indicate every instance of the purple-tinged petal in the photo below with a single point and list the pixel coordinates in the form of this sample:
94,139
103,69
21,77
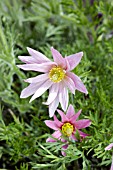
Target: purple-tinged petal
39,78
73,137
51,124
70,111
82,134
41,58
64,147
70,84
57,134
53,106
63,98
31,89
63,116
58,58
63,153
53,92
80,124
46,85
112,163
59,124
50,140
109,147
44,67
28,59
74,117
78,83
74,60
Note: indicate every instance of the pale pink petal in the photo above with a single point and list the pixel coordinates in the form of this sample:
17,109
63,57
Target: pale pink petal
63,153
51,124
70,84
58,58
53,91
82,134
74,117
109,147
44,67
78,83
41,89
53,106
112,163
31,89
59,124
50,140
63,116
70,111
82,123
57,134
73,137
63,98
74,60
39,78
37,55
28,59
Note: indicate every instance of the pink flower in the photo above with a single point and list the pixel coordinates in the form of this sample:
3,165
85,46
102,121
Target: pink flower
67,127
109,147
57,77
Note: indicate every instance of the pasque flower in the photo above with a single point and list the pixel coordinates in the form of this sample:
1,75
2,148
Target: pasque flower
56,77
67,127
109,147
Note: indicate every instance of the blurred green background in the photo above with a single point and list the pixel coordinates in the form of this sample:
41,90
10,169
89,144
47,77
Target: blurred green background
69,26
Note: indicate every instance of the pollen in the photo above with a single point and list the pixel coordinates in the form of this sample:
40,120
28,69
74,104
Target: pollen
67,129
56,74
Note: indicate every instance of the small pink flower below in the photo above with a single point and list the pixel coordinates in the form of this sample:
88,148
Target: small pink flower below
67,127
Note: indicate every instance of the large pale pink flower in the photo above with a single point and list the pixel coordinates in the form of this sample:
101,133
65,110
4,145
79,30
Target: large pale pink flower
67,127
109,147
57,77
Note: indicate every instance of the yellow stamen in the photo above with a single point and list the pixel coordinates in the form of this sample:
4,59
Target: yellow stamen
56,74
67,129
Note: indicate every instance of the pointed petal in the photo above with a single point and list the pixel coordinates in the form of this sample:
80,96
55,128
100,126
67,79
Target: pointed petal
70,111
78,83
50,140
59,124
27,59
73,137
37,55
70,84
57,134
63,98
74,117
53,106
80,124
82,134
39,78
63,153
44,67
63,116
41,89
51,124
109,147
31,89
74,60
53,92
58,58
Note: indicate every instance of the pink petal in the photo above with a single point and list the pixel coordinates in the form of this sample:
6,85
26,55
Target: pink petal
74,60
109,147
58,58
53,106
44,67
74,117
41,89
112,164
50,140
28,59
31,89
57,134
63,98
69,83
82,123
53,91
51,124
59,124
63,153
73,137
39,78
82,134
78,83
70,111
64,147
37,55
63,116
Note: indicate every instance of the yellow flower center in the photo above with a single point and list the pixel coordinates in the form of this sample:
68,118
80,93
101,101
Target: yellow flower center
56,74
67,129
